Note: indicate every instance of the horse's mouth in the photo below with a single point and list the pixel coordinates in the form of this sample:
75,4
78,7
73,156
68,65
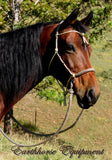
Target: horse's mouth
84,105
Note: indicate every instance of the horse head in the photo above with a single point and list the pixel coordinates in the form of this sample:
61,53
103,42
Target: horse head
66,55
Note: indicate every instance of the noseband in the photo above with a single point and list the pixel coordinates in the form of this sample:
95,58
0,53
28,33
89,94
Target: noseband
73,75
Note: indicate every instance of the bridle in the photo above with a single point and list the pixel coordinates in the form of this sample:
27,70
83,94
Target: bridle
72,75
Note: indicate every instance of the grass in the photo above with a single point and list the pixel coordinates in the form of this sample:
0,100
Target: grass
93,131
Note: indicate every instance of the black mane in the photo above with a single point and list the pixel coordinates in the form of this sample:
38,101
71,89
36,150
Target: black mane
20,61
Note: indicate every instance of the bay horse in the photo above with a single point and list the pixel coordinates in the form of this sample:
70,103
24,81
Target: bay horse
59,49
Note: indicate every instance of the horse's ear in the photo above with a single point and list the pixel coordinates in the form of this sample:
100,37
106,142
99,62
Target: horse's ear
87,20
71,19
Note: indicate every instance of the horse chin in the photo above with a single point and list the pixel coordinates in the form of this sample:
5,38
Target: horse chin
84,106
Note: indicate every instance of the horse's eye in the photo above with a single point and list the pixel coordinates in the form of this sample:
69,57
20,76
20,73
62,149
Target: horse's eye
71,47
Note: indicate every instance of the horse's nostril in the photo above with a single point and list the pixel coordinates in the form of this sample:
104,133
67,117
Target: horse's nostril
91,96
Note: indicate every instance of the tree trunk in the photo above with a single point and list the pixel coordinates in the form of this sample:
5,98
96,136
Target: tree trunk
16,7
8,122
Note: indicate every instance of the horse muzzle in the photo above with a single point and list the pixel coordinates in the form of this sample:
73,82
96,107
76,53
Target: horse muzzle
88,100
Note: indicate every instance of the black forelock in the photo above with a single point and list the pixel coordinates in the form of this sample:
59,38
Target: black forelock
80,27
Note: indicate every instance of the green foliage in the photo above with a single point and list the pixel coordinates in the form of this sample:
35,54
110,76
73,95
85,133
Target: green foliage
6,17
101,20
49,10
49,89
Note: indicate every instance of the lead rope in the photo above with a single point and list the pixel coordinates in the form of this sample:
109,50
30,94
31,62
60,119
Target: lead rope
58,131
